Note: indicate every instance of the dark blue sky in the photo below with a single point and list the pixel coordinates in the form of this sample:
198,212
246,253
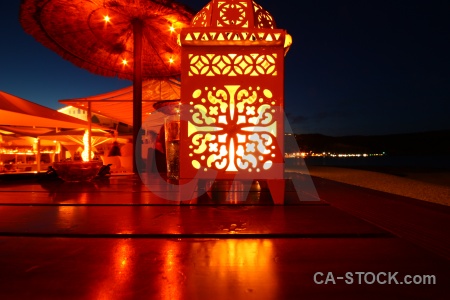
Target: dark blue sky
355,67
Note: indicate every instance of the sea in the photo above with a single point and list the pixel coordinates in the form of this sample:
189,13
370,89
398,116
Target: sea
397,161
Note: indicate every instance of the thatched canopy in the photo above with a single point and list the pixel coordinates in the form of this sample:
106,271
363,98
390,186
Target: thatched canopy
131,39
77,30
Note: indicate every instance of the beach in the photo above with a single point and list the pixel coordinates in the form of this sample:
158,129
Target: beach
427,185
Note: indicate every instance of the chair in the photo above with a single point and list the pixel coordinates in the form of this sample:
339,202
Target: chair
9,168
116,166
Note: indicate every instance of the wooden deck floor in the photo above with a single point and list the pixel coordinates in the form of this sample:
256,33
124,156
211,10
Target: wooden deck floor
121,239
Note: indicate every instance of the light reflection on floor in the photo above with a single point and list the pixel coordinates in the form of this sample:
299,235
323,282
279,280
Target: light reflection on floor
179,267
117,278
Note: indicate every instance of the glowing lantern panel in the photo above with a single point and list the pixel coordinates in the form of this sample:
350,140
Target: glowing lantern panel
232,93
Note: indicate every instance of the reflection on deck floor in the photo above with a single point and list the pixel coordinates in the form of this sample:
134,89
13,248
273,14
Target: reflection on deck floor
116,239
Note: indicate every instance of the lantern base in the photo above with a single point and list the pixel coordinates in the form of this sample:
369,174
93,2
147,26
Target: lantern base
245,192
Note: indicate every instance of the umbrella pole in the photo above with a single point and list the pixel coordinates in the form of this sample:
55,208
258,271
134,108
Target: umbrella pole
38,155
137,90
89,116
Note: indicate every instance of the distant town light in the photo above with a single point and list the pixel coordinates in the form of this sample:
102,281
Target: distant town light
329,154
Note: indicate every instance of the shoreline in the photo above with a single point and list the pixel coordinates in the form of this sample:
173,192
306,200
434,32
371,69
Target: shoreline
431,185
421,184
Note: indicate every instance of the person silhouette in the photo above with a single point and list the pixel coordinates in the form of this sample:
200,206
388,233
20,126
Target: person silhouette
115,150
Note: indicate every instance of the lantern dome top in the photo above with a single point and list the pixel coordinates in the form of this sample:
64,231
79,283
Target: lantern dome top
245,14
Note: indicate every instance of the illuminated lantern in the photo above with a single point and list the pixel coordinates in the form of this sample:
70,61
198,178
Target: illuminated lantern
232,95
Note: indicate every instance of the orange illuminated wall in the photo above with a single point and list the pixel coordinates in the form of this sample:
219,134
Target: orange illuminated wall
232,93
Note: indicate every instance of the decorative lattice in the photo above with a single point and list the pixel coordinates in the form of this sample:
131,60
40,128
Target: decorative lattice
262,17
232,14
253,64
226,36
237,14
232,128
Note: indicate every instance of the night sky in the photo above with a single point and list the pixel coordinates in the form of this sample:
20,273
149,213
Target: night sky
355,67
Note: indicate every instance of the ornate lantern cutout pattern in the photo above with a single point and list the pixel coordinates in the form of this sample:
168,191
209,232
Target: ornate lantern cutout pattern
233,129
232,93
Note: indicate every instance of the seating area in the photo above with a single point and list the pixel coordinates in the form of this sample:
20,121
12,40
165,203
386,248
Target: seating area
119,164
22,167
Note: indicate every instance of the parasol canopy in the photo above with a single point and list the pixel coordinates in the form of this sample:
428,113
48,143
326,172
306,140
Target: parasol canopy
23,130
98,35
16,111
118,104
75,136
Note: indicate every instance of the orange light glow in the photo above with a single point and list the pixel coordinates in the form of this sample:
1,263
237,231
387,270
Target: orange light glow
85,154
171,271
171,60
107,19
116,278
124,62
172,29
247,260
